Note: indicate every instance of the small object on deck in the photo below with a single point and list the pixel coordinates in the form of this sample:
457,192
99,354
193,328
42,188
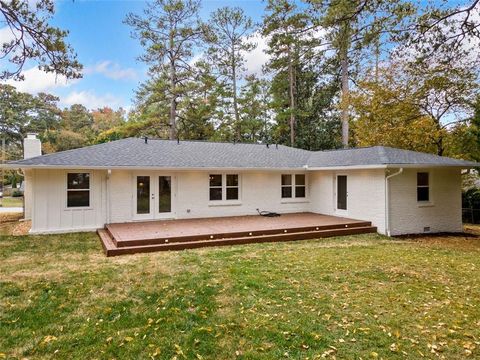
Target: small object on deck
267,213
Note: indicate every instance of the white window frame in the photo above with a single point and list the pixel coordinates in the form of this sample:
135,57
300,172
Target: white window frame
67,190
224,187
294,198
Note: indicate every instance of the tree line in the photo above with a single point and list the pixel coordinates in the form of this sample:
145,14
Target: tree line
340,73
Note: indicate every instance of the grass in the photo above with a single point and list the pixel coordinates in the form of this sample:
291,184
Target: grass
12,202
353,297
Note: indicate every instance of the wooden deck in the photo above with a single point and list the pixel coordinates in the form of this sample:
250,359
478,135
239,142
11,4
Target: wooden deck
128,238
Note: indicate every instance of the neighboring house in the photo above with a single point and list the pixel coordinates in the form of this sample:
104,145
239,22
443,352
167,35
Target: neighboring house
134,179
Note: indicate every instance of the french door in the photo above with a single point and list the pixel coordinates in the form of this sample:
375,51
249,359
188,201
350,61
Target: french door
153,196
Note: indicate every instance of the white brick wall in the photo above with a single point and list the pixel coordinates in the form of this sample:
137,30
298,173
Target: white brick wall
259,189
444,214
366,195
191,195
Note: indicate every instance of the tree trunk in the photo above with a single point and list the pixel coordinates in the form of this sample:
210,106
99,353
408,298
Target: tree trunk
440,147
235,100
173,92
291,85
345,96
439,142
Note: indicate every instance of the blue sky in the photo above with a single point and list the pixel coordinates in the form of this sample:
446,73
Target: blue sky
107,51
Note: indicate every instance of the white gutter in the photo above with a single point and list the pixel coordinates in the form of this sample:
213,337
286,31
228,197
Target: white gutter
387,201
347,167
83,167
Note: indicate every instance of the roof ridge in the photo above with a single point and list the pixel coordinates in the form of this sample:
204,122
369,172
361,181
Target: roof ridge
76,149
220,142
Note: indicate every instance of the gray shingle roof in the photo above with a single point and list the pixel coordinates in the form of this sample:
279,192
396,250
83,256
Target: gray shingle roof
133,152
381,155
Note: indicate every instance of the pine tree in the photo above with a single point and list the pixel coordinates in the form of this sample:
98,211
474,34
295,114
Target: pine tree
228,40
169,30
289,45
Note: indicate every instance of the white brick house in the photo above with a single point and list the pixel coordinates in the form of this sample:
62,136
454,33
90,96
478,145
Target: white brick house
134,179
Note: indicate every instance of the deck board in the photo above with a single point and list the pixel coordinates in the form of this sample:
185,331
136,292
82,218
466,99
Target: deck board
148,236
206,226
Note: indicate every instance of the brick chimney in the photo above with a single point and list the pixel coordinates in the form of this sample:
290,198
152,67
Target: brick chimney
31,146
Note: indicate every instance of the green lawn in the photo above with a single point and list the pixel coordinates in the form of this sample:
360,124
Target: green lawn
12,202
353,297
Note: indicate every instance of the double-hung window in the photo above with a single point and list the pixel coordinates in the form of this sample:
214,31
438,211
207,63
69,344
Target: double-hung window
78,190
423,187
224,187
293,186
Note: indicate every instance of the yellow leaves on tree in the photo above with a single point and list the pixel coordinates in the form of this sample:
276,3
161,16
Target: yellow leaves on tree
386,113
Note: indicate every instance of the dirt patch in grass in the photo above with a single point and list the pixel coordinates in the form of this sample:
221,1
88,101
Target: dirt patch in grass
10,224
10,217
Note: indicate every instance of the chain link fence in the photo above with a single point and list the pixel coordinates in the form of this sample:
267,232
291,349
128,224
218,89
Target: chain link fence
471,216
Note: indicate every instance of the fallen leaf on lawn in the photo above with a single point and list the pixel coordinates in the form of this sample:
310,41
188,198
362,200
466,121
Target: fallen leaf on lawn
48,339
128,338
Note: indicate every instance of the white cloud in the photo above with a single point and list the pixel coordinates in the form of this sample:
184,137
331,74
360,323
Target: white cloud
37,80
6,35
112,70
255,59
91,100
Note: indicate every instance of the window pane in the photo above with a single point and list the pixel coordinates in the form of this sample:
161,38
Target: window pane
286,179
286,192
232,180
422,179
423,194
232,193
215,193
299,179
300,191
78,181
78,198
215,180
143,194
164,194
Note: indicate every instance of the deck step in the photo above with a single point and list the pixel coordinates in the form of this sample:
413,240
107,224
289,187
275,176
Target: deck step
232,235
111,249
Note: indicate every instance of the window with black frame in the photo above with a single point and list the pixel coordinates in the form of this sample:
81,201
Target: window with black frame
224,187
293,186
78,190
423,187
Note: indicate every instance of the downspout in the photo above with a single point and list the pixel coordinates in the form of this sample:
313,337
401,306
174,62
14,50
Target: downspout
387,201
24,190
109,205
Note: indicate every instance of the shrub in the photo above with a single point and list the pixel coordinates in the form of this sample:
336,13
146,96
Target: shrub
17,193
